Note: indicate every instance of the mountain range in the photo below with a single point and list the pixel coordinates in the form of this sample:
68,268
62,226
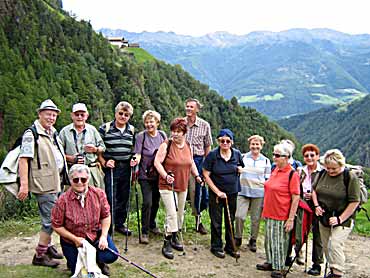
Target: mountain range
278,73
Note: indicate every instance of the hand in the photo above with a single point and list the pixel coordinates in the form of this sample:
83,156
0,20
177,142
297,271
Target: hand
170,178
23,193
103,242
110,163
200,180
307,196
289,225
333,221
78,241
221,195
240,169
90,148
79,159
133,162
319,211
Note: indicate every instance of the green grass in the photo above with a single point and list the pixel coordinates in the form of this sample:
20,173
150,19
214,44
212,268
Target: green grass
362,226
140,54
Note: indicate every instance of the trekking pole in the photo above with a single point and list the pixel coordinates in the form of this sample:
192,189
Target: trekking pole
137,207
132,263
306,255
196,232
128,206
231,229
329,249
173,191
112,201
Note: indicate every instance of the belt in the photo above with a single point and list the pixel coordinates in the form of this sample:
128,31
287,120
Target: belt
93,164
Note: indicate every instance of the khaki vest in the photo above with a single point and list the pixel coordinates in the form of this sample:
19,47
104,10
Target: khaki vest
46,179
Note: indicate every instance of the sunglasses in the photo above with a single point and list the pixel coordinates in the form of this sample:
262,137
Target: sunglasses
80,114
223,141
76,180
124,114
309,155
277,155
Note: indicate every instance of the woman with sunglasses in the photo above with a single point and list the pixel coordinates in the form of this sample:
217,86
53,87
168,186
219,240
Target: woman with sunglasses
335,204
174,163
83,213
280,205
221,170
311,156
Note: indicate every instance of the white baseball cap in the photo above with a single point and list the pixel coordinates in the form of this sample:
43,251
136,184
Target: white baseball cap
79,107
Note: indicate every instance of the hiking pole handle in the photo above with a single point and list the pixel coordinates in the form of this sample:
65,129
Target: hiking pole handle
130,262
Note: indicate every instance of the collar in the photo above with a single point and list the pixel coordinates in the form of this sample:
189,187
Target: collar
74,195
318,168
41,130
218,153
287,168
75,130
249,155
196,123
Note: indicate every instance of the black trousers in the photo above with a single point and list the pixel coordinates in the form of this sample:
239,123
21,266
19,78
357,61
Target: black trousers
121,191
149,209
217,212
317,250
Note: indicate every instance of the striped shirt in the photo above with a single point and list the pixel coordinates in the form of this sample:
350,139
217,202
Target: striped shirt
81,221
118,144
199,136
254,174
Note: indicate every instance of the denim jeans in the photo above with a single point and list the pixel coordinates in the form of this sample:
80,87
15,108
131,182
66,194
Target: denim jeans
201,197
70,252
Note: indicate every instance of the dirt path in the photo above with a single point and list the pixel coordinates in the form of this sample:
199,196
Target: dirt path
200,263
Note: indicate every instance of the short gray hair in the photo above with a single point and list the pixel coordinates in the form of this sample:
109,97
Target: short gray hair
289,143
199,105
151,114
334,156
125,106
284,149
78,168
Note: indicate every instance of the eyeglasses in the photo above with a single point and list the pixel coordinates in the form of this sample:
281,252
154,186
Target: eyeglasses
124,114
80,114
77,180
277,155
309,155
223,141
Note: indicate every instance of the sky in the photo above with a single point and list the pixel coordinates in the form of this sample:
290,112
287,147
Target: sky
200,17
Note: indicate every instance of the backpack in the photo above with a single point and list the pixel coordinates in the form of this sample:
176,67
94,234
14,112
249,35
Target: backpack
9,169
359,173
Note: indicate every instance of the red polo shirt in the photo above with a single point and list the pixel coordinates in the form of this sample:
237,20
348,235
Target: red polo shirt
278,193
81,221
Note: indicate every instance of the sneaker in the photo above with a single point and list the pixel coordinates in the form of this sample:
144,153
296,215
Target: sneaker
144,239
218,253
104,269
123,230
52,252
167,249
201,229
252,245
45,260
315,270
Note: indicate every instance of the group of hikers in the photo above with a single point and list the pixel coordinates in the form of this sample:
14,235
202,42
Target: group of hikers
104,163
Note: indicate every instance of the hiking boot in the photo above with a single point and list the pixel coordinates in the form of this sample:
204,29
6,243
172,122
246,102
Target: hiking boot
123,230
288,261
315,270
238,242
45,260
201,229
218,253
252,245
104,268
278,274
299,261
156,231
175,243
144,239
234,254
264,267
167,249
52,252
332,275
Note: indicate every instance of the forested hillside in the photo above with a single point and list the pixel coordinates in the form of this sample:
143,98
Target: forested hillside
343,127
44,53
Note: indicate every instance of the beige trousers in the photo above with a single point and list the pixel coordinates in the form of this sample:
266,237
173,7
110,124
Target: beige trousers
254,206
174,219
334,245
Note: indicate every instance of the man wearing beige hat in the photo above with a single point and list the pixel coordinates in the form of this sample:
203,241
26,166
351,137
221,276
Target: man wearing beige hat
41,164
82,143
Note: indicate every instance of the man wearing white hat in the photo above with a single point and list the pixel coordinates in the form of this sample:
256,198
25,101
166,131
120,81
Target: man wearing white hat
41,164
82,143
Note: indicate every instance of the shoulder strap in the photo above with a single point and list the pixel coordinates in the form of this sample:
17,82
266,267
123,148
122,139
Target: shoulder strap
142,144
162,134
291,175
346,178
36,138
169,143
